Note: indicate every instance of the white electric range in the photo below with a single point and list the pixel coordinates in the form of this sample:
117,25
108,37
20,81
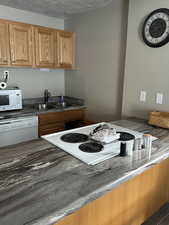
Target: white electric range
76,143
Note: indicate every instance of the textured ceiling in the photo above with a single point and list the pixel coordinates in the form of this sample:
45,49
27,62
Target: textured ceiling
56,8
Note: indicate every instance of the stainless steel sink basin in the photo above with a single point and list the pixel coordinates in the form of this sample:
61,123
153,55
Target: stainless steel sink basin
57,105
48,106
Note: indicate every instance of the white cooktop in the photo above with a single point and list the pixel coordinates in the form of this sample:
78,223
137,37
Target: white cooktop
109,150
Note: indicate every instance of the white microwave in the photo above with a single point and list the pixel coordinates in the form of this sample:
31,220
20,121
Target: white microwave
10,99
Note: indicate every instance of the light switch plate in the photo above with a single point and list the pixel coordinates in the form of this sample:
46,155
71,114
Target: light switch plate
159,98
143,96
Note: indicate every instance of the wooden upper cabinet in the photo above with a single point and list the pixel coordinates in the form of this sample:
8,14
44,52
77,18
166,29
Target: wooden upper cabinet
26,45
4,44
66,49
45,45
21,44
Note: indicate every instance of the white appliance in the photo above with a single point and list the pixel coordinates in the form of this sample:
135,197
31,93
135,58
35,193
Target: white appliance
10,99
108,151
18,130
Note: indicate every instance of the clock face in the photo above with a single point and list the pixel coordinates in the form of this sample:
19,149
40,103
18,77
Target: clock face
156,28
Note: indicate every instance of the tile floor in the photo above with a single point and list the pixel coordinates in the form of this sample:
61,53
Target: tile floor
159,218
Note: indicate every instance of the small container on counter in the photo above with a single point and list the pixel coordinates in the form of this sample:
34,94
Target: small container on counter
138,144
127,143
123,150
147,139
42,106
62,101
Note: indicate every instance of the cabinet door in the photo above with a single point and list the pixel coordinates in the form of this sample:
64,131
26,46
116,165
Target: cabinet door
51,128
45,47
130,203
4,43
55,121
21,44
66,49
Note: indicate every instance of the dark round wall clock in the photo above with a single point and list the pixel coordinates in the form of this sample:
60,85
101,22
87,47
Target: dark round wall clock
156,28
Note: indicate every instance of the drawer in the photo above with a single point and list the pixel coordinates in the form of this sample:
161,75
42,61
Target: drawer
73,115
50,118
52,125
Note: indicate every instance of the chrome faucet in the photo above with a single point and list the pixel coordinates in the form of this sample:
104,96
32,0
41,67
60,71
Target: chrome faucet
46,96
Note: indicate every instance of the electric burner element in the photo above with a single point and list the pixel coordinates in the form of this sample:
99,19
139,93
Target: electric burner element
91,147
74,138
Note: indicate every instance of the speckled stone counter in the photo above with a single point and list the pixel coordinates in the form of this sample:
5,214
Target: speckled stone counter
30,107
40,184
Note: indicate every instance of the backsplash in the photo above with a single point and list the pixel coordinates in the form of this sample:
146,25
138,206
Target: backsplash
67,99
33,82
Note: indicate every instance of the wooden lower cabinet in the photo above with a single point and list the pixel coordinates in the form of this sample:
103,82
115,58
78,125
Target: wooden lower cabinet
55,121
131,203
51,128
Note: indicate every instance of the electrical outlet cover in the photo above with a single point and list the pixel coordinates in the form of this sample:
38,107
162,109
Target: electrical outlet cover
143,95
159,98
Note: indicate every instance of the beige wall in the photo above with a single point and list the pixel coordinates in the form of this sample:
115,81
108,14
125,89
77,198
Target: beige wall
100,56
146,68
31,81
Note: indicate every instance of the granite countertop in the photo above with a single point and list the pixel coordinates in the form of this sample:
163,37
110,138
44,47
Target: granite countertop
30,107
40,184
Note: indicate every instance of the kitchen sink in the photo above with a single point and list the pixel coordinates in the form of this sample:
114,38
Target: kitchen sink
48,106
56,105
